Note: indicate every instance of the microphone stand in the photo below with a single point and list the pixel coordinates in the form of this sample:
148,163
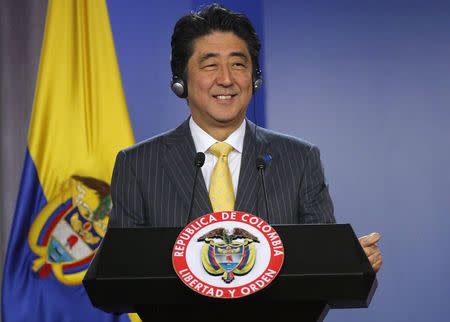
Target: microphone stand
198,162
261,166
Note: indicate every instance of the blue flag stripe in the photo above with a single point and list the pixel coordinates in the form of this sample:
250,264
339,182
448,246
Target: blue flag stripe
24,293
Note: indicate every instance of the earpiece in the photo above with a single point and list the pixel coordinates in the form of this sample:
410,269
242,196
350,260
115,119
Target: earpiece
178,87
257,80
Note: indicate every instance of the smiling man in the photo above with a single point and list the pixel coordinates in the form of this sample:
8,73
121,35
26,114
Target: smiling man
215,66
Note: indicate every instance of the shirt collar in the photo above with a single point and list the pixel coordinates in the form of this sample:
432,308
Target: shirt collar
203,140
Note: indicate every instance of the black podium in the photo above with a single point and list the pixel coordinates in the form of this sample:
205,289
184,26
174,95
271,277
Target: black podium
325,267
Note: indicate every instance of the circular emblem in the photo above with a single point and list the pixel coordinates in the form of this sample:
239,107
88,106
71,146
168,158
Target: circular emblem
228,254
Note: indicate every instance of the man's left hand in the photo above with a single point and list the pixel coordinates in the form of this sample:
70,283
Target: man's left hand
370,246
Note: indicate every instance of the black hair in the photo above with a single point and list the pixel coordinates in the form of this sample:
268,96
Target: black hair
211,18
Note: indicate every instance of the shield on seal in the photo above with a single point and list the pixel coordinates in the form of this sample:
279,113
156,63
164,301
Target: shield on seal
228,256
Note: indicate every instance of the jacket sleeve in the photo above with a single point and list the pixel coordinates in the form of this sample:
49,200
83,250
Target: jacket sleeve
316,205
128,203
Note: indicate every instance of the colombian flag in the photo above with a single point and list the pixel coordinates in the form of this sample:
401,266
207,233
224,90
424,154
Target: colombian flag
79,123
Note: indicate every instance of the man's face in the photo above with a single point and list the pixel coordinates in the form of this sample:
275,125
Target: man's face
219,78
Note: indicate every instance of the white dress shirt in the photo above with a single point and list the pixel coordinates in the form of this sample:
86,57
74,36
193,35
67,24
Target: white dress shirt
203,142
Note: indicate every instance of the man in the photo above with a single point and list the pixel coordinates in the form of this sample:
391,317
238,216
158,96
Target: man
215,67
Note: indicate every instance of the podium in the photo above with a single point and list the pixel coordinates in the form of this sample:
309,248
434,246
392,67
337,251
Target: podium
324,268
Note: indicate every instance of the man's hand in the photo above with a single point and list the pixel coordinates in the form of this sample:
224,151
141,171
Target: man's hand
370,246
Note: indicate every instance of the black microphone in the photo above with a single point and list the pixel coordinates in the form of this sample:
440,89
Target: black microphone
261,166
199,161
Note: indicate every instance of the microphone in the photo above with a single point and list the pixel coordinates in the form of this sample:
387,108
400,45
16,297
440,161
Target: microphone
261,166
199,161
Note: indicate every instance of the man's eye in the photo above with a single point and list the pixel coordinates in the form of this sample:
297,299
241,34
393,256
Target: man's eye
239,65
210,66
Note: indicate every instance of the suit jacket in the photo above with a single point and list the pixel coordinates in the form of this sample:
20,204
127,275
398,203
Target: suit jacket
152,181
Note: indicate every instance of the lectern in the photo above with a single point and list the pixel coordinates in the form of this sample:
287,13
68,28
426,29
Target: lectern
324,268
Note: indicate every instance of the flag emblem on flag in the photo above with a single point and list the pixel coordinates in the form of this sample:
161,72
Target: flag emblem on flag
69,229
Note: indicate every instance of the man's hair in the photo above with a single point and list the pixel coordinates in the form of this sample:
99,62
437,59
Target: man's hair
211,18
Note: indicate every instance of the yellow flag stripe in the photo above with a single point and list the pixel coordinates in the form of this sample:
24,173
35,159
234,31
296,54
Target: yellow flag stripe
79,119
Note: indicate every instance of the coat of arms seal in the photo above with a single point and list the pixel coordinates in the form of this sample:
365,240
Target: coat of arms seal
228,254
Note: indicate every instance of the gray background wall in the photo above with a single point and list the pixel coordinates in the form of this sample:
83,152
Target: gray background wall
368,82
21,29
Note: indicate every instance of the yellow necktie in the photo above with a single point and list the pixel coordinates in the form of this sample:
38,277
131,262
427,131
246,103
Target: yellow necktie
221,191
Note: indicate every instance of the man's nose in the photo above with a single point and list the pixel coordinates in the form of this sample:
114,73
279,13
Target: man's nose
224,76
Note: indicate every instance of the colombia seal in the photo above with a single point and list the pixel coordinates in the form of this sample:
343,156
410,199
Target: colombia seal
228,254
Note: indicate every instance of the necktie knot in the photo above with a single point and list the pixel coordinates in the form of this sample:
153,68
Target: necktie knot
221,149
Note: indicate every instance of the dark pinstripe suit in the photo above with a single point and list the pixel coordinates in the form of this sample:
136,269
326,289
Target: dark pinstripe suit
152,181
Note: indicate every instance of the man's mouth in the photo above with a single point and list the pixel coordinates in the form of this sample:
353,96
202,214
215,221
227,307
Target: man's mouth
224,97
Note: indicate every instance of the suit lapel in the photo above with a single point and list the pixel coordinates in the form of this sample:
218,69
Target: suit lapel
249,187
179,166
